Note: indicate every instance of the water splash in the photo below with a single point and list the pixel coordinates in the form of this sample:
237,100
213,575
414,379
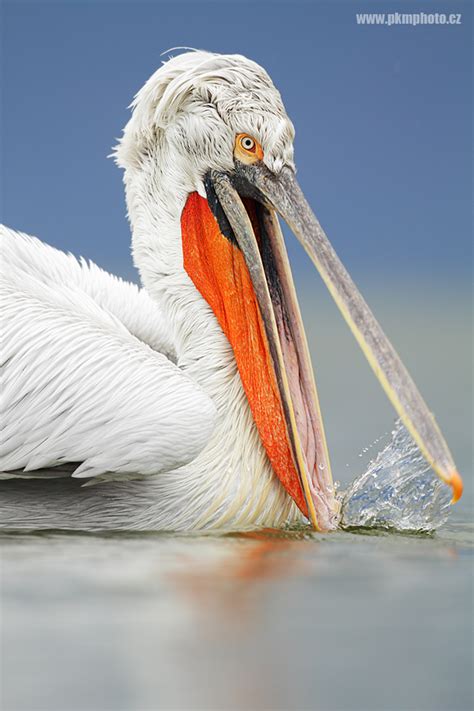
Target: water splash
398,491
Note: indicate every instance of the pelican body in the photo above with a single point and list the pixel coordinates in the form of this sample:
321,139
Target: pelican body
188,402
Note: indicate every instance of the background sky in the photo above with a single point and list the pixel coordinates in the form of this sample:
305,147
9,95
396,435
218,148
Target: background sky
382,115
383,148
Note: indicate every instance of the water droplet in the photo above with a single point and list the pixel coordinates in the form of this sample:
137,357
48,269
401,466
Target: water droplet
399,490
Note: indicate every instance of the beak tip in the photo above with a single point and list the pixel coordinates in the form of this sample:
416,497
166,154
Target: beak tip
456,484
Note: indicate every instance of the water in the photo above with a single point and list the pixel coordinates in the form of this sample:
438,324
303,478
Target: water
271,620
399,490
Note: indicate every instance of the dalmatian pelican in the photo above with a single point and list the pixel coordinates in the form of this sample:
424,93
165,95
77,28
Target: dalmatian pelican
190,402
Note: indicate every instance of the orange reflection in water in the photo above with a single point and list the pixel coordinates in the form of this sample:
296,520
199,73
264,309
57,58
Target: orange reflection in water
233,584
227,606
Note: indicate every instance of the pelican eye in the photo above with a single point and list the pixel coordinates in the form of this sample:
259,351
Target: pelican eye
248,144
247,149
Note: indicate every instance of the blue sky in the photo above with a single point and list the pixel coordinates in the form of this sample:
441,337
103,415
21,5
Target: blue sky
382,115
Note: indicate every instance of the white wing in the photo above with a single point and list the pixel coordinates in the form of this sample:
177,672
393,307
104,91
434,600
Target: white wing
84,375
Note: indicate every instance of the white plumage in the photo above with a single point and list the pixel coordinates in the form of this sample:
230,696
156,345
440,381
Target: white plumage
127,382
88,377
83,377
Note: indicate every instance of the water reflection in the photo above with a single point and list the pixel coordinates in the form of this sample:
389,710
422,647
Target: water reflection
265,620
233,586
224,600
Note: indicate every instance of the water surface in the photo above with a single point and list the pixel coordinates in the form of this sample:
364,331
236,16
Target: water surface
270,620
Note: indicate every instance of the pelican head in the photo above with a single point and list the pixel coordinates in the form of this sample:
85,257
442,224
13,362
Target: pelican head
208,158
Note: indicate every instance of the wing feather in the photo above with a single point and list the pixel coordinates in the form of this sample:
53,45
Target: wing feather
32,265
82,375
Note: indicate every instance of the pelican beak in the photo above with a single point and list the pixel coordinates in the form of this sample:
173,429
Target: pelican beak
277,375
281,193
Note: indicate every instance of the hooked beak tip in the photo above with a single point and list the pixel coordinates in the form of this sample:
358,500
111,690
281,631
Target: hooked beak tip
456,485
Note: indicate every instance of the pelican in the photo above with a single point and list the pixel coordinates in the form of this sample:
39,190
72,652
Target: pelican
189,402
